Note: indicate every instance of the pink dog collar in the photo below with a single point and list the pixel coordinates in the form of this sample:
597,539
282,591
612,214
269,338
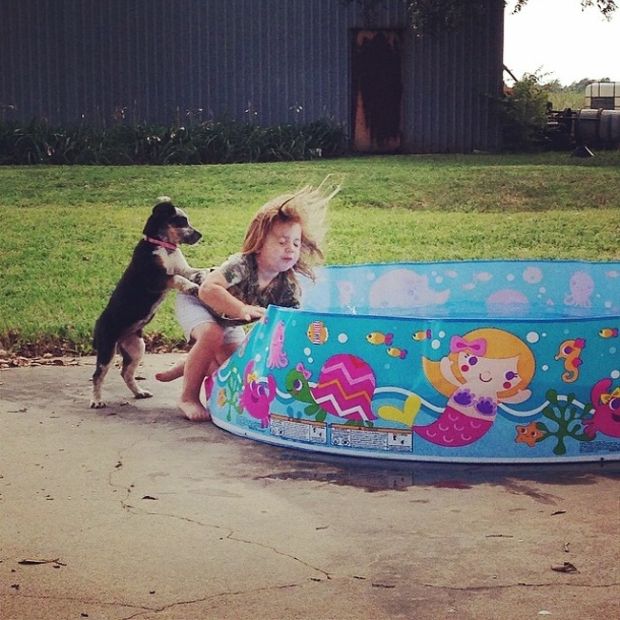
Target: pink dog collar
163,244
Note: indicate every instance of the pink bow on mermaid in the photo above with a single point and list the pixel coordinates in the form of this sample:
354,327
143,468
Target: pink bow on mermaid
458,344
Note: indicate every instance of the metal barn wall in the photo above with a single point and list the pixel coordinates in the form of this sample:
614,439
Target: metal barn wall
271,61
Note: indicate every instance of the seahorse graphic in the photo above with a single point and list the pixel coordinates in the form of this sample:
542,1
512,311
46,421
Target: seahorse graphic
570,351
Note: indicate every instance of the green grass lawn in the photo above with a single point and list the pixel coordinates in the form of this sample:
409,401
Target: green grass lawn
68,232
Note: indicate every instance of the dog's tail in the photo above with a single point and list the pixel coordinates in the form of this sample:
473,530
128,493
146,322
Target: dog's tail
104,344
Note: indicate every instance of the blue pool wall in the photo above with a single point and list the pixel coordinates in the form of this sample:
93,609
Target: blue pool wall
382,361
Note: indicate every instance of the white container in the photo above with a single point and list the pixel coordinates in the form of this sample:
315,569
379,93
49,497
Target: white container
603,95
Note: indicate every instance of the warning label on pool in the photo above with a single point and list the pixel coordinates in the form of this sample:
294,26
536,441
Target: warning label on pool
370,438
299,430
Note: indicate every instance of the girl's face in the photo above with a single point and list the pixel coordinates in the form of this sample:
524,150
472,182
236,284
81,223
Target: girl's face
489,375
280,251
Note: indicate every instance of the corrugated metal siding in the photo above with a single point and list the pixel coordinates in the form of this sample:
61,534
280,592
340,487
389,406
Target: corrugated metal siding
180,60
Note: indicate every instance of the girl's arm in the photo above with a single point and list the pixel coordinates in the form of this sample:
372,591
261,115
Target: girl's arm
213,292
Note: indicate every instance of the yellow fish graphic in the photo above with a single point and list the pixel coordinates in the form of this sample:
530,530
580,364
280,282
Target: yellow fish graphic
423,334
608,332
380,338
396,352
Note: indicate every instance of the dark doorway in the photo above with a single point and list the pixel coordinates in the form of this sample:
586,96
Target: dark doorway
376,90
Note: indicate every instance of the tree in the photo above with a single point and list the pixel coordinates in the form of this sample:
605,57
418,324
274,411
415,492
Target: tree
432,16
437,15
606,7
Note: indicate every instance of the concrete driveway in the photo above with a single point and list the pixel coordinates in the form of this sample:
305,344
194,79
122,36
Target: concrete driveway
135,512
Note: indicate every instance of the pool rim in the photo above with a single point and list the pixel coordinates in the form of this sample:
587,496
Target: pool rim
451,317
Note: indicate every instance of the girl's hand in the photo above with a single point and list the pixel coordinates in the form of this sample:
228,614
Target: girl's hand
251,312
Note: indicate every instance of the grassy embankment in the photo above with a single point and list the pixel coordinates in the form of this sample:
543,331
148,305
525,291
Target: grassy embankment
68,232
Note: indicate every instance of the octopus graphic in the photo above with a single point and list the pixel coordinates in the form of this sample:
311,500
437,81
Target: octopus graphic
606,403
581,288
485,367
277,357
257,394
570,351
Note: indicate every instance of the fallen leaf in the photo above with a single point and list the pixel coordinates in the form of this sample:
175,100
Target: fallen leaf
149,497
558,512
34,562
567,567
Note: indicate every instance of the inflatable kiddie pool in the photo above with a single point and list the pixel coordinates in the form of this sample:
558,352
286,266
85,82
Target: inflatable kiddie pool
479,361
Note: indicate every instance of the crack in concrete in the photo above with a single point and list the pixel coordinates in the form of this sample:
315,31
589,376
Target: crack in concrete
517,585
204,599
229,535
127,507
286,555
73,599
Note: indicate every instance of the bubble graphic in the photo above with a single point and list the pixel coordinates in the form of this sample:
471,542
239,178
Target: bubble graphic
532,337
435,344
532,275
342,338
307,351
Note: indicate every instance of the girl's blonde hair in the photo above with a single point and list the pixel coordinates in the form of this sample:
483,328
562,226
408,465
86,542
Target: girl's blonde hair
306,207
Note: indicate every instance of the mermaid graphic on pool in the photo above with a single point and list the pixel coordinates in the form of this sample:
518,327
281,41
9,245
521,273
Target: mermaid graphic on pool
484,368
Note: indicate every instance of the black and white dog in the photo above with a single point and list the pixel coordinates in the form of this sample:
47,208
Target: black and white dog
156,266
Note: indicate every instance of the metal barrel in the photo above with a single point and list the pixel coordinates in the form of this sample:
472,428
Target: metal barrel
598,127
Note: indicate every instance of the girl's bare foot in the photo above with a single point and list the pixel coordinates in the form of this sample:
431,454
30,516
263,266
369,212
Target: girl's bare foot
194,411
173,373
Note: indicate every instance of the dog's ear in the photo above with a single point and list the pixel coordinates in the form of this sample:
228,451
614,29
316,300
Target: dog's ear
162,212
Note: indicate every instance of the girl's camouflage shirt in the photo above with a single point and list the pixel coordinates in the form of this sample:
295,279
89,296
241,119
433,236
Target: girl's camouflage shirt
241,273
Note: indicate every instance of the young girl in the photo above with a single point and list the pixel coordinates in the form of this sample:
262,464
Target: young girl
283,240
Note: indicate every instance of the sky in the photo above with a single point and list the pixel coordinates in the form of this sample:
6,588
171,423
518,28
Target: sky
561,42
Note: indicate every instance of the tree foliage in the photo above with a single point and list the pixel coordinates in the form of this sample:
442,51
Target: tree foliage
432,16
606,7
523,114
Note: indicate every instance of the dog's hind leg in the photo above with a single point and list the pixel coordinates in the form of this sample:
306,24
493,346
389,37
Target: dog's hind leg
132,349
104,360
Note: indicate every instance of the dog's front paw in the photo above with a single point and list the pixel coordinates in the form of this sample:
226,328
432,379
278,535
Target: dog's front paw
193,290
97,404
144,394
198,276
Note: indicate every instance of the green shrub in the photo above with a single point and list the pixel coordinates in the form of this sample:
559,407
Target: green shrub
523,114
212,142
